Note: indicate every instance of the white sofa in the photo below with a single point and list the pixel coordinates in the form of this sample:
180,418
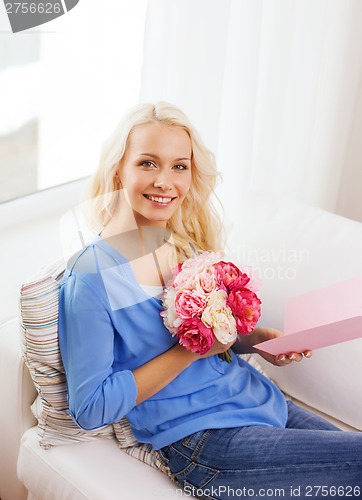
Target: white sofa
293,247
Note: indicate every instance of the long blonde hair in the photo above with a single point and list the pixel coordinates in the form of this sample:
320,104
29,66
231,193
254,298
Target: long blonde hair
196,221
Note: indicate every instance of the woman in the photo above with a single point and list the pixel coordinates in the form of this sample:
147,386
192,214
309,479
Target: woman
221,427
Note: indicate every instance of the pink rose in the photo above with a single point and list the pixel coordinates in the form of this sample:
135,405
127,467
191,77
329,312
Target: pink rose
229,276
254,281
205,282
175,271
200,262
185,279
245,306
188,304
195,336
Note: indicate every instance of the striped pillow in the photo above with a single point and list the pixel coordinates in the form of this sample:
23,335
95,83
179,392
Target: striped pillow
40,348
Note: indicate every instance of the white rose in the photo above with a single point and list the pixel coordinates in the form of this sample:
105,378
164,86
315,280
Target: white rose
218,316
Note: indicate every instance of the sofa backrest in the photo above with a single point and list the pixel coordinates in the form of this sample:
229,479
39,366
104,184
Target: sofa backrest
295,249
30,238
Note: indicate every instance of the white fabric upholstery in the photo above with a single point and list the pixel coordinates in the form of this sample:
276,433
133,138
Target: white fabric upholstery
94,470
17,393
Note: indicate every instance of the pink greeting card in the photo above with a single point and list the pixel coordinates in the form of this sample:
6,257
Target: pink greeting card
320,318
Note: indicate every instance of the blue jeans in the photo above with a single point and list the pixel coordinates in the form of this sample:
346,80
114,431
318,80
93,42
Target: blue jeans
309,458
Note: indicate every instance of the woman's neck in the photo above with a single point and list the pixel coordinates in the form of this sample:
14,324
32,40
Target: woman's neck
148,249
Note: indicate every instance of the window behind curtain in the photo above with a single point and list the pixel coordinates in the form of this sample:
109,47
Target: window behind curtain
63,88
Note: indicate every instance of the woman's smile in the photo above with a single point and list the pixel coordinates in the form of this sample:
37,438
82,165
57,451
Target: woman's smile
159,200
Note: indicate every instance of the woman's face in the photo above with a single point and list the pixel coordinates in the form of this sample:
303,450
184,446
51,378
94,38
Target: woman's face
155,171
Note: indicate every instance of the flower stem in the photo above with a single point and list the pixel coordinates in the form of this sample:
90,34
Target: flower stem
225,356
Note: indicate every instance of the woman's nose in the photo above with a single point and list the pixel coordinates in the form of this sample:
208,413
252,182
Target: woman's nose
162,182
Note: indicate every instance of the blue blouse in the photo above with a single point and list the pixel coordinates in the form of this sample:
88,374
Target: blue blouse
109,325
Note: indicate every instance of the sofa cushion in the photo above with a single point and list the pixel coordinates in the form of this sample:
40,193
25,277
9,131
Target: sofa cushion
17,391
90,470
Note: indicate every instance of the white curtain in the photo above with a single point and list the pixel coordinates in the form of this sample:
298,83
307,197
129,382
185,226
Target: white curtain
274,87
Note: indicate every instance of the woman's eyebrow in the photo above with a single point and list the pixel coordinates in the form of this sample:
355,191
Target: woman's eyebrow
157,157
149,154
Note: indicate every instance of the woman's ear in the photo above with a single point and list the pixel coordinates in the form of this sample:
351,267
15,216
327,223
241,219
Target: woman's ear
117,180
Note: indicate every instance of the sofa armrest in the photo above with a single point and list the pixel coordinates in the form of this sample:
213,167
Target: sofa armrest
17,392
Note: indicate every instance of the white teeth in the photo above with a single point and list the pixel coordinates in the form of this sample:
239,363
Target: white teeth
158,199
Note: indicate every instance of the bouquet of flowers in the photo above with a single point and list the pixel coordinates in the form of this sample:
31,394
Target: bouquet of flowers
208,298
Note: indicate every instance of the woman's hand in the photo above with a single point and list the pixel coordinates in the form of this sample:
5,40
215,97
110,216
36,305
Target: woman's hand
218,348
261,334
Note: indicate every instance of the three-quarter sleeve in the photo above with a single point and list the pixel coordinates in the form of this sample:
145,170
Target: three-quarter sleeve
98,394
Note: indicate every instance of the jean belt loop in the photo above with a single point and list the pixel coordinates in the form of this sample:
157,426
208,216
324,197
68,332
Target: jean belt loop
163,451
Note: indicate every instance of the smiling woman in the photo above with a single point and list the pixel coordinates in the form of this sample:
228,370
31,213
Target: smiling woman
156,163
48,133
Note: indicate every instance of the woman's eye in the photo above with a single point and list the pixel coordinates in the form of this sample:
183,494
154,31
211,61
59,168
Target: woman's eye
147,164
181,167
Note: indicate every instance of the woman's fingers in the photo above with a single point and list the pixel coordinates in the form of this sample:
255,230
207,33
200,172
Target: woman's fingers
286,359
282,360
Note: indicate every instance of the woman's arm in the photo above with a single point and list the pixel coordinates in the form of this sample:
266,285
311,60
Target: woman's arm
97,394
161,370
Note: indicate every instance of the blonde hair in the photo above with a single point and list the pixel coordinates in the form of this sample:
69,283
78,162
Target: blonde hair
196,221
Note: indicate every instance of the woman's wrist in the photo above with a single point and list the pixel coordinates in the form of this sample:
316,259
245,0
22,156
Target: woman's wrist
242,345
186,355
